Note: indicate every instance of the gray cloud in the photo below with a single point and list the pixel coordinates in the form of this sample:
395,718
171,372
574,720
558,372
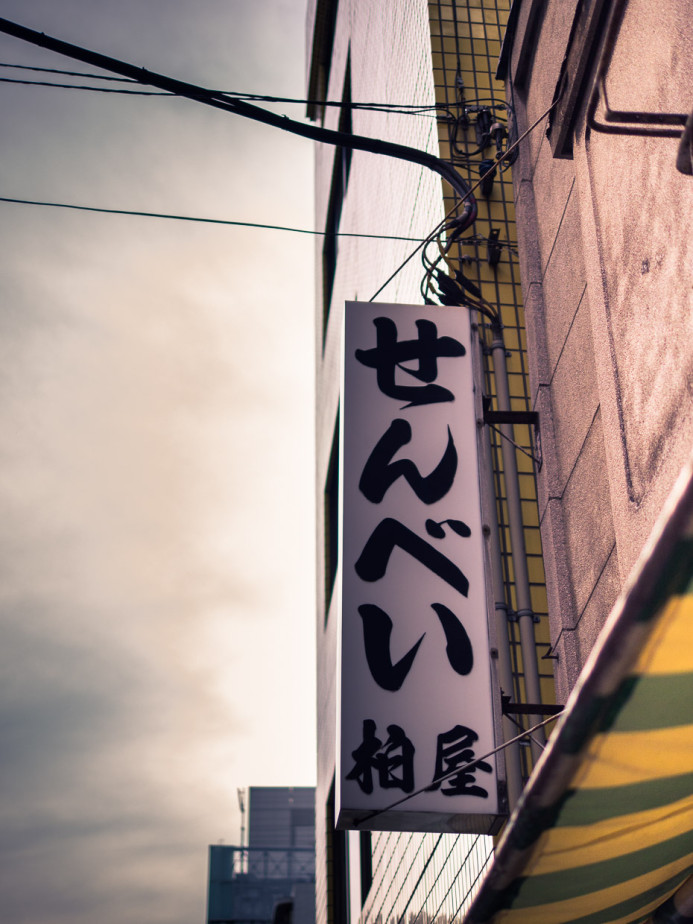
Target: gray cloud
155,465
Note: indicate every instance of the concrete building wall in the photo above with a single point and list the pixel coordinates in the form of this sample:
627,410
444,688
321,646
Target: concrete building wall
605,258
606,265
392,59
389,44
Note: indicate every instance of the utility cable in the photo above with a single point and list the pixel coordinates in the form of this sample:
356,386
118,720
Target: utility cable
441,224
343,139
76,86
465,768
243,108
541,745
395,108
516,445
211,221
55,70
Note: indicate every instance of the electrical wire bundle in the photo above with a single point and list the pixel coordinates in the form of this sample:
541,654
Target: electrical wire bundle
432,111
455,289
494,124
490,127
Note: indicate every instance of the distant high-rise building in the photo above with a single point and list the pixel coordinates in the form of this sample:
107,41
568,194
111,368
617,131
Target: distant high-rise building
272,879
281,817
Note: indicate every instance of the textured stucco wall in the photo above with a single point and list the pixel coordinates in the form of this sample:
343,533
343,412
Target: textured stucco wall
607,266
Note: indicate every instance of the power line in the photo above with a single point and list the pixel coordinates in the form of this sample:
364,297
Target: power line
239,107
257,96
441,224
394,108
76,86
56,70
460,769
210,221
247,110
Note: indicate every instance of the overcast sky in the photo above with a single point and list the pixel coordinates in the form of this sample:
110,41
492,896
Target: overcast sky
156,460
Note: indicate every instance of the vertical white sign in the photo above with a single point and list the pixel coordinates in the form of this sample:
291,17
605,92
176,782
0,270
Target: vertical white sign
415,705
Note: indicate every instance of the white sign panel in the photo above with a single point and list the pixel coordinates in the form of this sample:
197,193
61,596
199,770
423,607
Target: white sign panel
415,708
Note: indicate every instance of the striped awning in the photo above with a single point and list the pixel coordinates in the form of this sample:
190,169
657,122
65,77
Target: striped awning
603,833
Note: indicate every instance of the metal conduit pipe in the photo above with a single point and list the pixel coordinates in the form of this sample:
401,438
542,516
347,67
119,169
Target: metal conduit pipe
525,614
513,770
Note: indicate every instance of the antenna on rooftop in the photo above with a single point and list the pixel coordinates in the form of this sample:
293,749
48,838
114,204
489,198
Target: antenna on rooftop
241,804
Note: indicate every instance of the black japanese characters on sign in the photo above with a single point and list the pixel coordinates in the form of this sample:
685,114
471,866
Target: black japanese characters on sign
379,473
389,533
377,629
393,761
454,752
389,354
391,764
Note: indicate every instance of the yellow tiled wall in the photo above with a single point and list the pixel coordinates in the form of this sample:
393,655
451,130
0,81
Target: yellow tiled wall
466,38
407,51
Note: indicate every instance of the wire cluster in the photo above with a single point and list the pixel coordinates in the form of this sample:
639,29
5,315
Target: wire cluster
474,126
493,123
453,288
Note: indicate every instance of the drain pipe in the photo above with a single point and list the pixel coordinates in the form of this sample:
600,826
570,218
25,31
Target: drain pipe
513,767
525,614
513,770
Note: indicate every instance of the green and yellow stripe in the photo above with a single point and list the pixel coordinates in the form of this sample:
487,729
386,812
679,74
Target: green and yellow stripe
604,831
